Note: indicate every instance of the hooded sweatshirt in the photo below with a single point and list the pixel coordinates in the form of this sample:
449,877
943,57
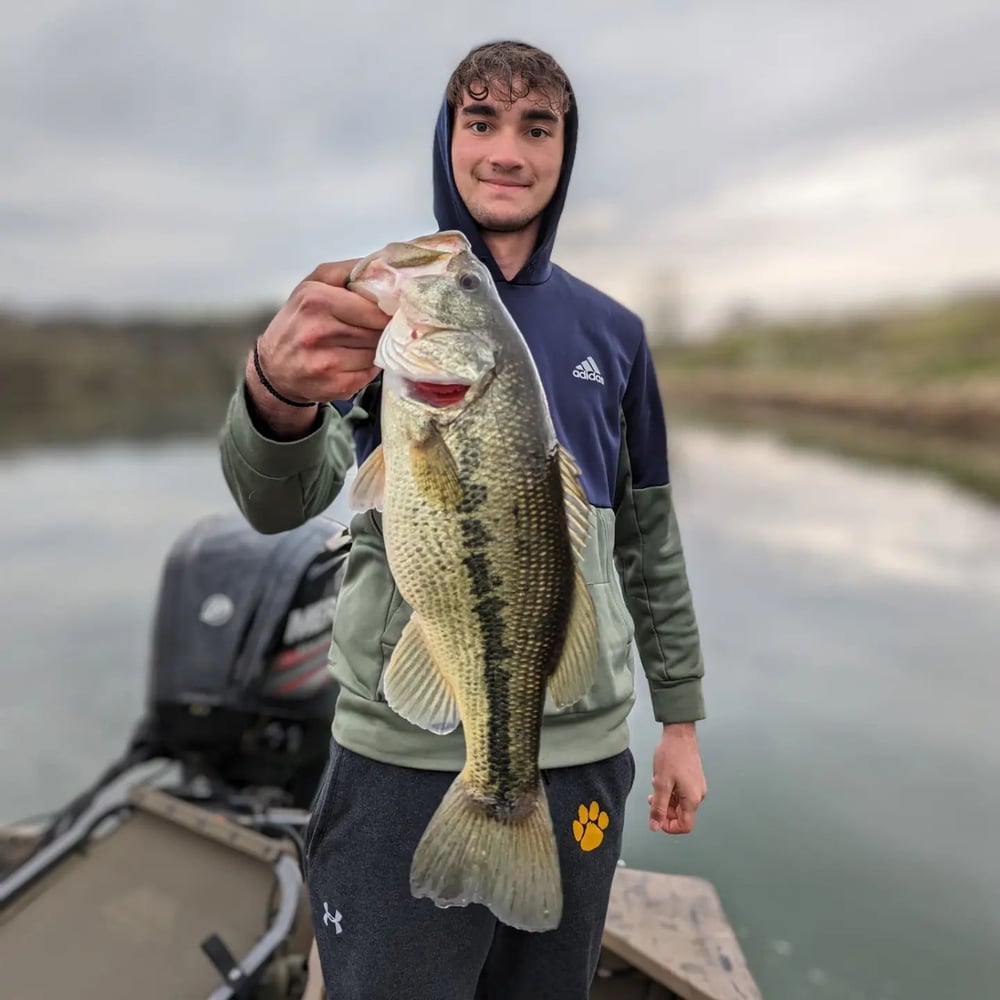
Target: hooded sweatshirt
595,365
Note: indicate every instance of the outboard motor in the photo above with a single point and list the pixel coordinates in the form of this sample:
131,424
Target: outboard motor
239,691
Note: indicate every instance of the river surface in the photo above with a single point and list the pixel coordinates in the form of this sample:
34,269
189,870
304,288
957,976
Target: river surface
851,625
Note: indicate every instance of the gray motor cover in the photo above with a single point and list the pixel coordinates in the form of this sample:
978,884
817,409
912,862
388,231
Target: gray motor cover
228,599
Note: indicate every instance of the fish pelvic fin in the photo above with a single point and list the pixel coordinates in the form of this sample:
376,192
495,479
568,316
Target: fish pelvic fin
368,488
575,501
415,687
574,673
434,471
510,865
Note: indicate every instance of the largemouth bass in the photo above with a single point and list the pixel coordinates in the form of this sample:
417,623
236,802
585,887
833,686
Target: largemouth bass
485,521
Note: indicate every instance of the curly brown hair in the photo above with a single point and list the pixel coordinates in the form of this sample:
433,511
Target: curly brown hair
509,70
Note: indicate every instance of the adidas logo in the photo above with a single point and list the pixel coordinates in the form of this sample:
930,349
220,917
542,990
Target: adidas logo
589,371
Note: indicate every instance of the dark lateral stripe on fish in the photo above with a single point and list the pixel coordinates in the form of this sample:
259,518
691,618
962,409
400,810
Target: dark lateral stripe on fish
489,612
474,496
474,534
498,680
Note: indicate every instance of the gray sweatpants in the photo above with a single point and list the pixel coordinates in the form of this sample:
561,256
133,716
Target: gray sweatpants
376,942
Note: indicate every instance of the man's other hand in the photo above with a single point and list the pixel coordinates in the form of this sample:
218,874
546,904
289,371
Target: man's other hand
678,780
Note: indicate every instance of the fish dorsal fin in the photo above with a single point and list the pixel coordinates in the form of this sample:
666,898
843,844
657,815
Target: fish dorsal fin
368,488
577,508
574,674
414,686
434,471
449,241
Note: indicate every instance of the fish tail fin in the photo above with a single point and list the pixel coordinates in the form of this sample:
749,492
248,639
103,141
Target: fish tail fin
509,864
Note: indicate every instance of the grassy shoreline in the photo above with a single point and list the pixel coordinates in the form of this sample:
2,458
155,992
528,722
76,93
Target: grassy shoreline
69,380
970,465
916,387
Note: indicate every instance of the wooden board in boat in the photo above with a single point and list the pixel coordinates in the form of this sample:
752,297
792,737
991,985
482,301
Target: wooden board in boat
673,929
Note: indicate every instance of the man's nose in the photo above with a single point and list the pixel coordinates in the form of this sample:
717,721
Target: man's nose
504,153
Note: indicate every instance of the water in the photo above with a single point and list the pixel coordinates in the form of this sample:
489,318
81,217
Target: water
851,624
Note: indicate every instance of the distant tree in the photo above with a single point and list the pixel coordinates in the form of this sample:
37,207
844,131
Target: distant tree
742,314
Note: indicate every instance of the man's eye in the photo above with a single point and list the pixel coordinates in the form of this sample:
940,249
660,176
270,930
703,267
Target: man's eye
538,133
481,127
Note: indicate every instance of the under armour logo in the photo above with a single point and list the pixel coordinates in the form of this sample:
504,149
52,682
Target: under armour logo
332,918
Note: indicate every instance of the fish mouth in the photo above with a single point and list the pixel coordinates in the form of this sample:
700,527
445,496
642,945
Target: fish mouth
440,395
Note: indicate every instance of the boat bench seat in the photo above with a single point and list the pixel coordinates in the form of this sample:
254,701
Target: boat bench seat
124,915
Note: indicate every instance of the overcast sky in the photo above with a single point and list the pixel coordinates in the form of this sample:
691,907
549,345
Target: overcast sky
786,153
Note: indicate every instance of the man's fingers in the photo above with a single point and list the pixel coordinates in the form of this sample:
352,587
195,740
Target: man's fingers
333,272
354,359
681,819
352,372
346,385
659,805
675,816
316,299
329,335
362,338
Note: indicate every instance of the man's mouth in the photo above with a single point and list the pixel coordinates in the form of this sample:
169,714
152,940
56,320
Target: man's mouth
501,183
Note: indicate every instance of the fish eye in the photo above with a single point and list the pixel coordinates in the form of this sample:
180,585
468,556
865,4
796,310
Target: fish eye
468,281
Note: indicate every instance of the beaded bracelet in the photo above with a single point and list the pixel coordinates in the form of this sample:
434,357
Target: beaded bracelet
270,388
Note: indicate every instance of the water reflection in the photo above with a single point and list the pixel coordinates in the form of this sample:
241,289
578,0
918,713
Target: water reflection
848,517
851,632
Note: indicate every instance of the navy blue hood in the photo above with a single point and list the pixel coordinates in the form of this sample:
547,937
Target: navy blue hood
591,353
451,213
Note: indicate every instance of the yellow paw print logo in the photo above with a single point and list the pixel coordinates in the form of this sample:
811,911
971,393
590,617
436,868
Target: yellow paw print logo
589,827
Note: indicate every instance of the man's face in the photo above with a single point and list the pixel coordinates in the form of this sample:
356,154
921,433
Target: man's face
506,160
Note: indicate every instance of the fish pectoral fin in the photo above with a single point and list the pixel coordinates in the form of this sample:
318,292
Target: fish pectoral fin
575,500
574,674
414,686
368,488
434,470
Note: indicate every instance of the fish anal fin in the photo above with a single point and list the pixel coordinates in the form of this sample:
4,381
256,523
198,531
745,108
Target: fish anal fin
368,488
414,686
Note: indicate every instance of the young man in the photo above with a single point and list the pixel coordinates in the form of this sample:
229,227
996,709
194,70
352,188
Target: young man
503,153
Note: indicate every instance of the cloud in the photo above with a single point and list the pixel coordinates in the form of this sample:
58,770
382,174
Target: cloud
212,153
857,222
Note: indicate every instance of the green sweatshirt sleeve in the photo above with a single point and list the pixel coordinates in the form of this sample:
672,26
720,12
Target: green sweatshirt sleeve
279,485
650,560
